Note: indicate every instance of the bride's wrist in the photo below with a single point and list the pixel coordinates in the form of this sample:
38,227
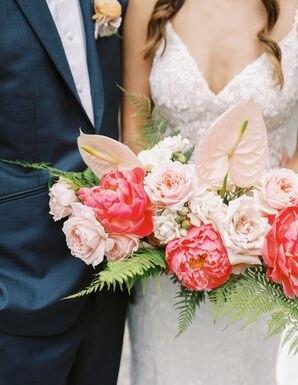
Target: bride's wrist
293,162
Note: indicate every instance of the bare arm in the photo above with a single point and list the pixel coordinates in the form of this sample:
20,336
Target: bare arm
136,70
293,162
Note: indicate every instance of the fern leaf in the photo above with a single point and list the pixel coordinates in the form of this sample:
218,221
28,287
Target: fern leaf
76,179
144,263
254,296
187,303
153,125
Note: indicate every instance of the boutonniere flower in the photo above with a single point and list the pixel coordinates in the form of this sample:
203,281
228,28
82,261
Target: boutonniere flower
107,17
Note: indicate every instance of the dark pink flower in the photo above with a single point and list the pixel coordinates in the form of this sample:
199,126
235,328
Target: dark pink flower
200,260
121,203
280,251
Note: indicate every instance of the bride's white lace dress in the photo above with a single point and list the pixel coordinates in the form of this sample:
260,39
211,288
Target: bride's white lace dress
205,354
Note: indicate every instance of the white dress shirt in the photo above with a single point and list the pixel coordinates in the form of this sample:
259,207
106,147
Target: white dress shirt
69,22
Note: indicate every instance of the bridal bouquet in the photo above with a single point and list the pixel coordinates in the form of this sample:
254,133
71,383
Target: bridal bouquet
220,226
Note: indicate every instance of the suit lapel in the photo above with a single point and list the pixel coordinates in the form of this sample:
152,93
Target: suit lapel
96,84
40,19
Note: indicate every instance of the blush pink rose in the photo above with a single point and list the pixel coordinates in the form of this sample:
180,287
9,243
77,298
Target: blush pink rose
200,260
61,198
121,203
120,246
280,251
85,236
170,184
279,189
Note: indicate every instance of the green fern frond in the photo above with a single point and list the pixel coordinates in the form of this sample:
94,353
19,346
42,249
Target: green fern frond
187,303
141,103
92,288
147,262
188,154
153,125
76,179
254,296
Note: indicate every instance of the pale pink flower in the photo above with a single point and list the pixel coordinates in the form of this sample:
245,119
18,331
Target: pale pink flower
85,236
243,231
279,189
61,198
119,247
225,149
170,184
103,154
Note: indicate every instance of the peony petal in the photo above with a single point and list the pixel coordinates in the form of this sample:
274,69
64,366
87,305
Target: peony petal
245,165
113,154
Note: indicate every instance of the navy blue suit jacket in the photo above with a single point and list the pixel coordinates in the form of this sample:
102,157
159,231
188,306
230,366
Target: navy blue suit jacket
40,117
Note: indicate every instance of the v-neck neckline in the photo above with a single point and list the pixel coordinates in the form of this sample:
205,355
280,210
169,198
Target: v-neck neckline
240,73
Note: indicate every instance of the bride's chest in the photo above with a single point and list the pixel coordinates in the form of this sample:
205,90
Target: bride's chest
180,90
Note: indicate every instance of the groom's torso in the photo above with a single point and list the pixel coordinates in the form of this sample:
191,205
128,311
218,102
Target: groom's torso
42,107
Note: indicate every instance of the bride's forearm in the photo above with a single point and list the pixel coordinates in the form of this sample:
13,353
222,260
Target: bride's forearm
136,69
132,133
293,161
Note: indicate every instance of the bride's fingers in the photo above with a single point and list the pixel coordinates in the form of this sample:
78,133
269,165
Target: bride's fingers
285,159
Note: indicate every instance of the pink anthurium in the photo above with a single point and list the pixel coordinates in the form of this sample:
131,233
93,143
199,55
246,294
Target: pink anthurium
235,145
103,154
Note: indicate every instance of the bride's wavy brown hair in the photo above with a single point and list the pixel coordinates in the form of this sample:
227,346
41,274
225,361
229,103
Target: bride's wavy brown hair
165,10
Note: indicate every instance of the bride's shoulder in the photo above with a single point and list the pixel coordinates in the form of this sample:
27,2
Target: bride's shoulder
137,17
141,8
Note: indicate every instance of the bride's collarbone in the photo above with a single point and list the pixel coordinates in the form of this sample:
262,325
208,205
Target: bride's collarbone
223,48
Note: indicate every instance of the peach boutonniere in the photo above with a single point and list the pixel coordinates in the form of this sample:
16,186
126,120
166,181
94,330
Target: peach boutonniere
107,17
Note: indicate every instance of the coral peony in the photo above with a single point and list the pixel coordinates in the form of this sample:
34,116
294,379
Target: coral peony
121,203
280,251
200,260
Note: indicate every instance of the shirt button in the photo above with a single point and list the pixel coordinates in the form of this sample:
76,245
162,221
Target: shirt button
80,89
69,37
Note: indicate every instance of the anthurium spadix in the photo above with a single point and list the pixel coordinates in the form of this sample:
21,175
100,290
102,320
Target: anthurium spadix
102,154
235,145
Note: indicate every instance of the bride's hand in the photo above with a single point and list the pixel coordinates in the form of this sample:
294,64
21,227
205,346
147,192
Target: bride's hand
292,163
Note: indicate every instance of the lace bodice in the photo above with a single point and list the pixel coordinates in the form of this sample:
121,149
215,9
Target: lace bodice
181,93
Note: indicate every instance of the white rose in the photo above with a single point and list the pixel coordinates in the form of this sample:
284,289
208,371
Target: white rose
171,184
243,232
85,236
154,157
174,144
279,189
165,227
208,207
61,198
162,152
